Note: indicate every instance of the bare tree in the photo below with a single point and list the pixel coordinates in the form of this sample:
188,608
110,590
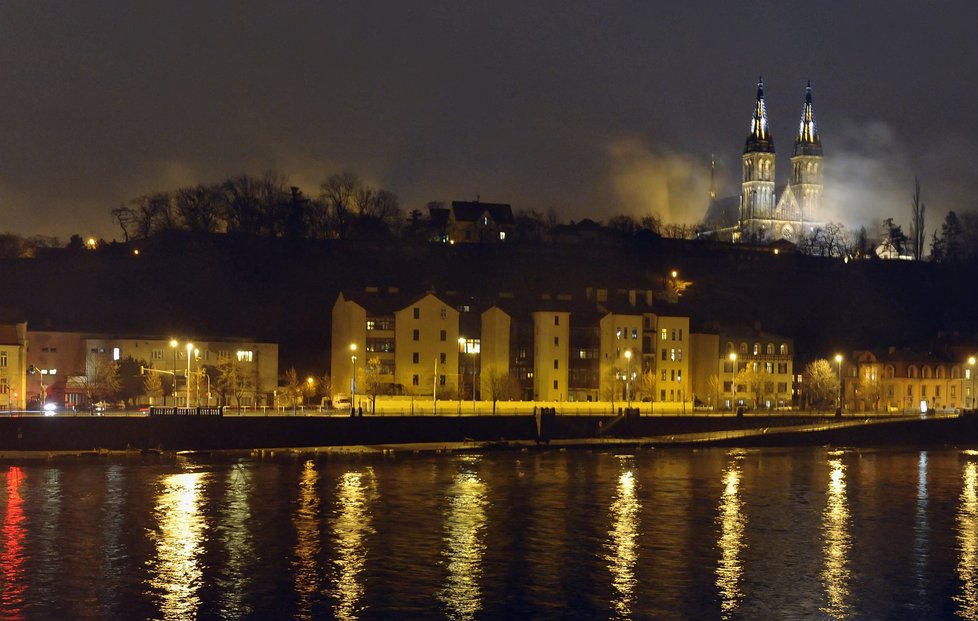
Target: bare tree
917,222
821,383
293,388
498,385
231,382
201,207
100,380
153,385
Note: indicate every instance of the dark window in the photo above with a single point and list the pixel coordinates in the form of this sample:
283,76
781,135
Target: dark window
417,313
555,363
442,357
556,320
442,335
415,358
416,335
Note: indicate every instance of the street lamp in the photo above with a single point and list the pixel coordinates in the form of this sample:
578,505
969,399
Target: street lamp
197,376
466,350
173,346
190,348
628,378
353,382
309,384
971,363
838,360
733,378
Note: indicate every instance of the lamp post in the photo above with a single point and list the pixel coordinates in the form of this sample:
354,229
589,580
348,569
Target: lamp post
309,386
628,378
190,348
173,346
733,378
353,382
838,360
971,363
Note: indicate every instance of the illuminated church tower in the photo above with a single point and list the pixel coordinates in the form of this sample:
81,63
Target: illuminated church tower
806,163
757,188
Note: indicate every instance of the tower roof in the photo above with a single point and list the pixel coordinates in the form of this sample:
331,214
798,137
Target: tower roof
759,139
808,141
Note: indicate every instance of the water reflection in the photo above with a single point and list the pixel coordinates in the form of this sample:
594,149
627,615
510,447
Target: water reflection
113,549
12,558
837,541
921,547
238,542
464,528
623,553
351,526
307,546
733,522
967,519
177,570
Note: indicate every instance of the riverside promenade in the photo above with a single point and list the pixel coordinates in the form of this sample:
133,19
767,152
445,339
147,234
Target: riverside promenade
21,434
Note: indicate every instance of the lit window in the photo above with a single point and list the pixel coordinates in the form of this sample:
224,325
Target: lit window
246,356
3,358
634,334
502,235
664,333
116,354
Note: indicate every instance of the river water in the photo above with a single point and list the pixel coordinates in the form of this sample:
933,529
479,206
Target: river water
664,534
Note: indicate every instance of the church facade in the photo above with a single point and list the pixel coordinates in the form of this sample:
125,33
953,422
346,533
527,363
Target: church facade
765,212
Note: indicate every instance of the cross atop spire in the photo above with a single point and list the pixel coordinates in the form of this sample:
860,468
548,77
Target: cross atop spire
759,138
808,141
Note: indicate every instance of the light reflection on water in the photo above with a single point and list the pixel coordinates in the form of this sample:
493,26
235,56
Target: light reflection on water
465,523
12,558
351,527
305,565
623,544
733,522
967,518
836,543
238,542
661,534
176,571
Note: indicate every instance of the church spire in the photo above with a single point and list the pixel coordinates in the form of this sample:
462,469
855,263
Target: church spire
759,139
808,141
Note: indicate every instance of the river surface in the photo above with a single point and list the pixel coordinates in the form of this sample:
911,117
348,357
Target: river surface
648,534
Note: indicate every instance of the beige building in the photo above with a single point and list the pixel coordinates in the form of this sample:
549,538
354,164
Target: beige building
599,346
672,358
903,379
551,343
743,368
58,356
388,342
13,366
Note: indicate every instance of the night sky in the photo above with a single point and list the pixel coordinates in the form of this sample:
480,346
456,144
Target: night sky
590,109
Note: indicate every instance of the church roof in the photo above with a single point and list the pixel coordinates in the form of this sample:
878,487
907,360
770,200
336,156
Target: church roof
759,140
808,141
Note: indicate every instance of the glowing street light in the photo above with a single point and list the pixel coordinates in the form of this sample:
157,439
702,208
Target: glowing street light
628,377
838,360
190,348
733,378
310,385
173,346
971,372
353,382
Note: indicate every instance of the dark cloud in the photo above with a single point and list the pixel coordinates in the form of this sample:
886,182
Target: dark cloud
588,108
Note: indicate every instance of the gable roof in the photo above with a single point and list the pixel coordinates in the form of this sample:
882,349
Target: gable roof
466,211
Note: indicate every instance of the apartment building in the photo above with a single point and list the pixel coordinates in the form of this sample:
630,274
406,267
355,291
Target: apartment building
905,379
13,366
55,358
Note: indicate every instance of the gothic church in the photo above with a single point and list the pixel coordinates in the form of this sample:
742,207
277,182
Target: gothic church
764,212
